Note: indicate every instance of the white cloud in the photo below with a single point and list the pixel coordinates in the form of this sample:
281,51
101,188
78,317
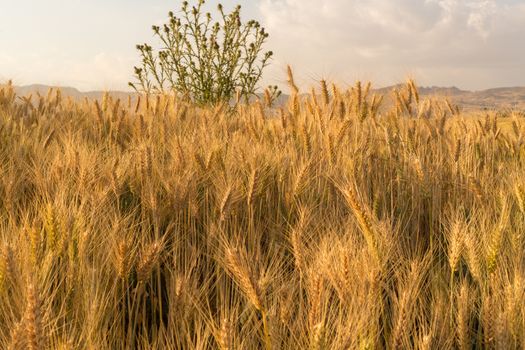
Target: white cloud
105,71
470,43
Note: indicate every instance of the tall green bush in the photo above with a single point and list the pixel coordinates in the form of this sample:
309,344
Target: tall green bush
207,61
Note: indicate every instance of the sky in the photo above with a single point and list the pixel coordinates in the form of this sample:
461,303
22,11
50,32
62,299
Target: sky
472,44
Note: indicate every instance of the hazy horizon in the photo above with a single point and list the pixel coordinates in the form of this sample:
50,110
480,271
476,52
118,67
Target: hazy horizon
400,83
470,44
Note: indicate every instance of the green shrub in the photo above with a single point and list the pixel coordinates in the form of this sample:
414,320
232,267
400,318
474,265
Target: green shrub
206,61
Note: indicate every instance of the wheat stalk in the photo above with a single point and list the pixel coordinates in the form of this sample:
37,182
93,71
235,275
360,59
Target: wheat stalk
225,204
463,318
363,220
315,296
148,260
296,240
455,246
123,259
473,257
291,81
400,323
253,182
318,337
18,339
33,319
493,249
324,92
225,338
244,276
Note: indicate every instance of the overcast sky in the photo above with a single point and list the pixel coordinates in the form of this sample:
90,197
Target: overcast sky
89,44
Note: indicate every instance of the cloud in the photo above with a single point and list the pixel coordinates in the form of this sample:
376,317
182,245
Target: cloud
472,43
103,70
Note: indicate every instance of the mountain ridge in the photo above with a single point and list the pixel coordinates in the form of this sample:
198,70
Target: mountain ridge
493,98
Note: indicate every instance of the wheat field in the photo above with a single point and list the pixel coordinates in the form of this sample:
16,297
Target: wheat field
337,221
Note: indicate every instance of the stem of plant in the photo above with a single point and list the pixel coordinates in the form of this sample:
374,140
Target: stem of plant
267,341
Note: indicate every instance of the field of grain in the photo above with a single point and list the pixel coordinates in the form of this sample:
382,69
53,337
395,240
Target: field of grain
329,223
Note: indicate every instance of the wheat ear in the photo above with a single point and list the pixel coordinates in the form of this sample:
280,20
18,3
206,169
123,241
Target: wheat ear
33,319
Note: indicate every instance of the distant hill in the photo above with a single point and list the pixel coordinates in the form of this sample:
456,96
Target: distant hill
498,98
67,91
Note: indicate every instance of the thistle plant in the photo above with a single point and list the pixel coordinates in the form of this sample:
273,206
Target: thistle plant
204,60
